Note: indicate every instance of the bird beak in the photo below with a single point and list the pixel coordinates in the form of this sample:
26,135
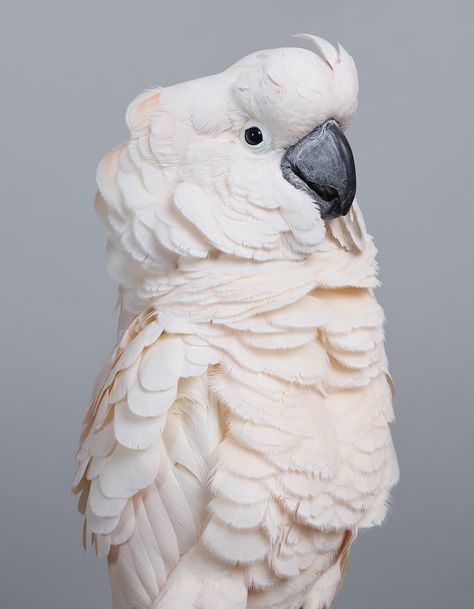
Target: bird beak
322,164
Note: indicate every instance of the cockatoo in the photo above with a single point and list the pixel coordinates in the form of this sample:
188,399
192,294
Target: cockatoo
239,436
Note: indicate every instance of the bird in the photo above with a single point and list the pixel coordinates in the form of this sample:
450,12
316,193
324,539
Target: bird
239,436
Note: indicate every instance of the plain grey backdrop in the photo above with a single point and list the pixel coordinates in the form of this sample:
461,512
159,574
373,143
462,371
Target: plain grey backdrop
69,70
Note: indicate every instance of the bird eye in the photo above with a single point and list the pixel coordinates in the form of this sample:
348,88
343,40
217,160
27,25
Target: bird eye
256,137
253,136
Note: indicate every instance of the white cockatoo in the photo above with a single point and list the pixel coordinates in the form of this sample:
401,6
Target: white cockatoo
239,436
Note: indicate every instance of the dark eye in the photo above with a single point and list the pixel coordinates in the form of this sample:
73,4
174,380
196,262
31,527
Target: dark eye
256,137
253,136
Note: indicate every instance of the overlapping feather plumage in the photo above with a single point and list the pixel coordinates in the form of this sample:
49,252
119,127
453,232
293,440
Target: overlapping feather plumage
239,438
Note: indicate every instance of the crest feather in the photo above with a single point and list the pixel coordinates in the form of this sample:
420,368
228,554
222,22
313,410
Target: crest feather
326,50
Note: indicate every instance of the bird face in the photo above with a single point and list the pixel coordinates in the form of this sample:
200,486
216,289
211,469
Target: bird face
308,98
255,158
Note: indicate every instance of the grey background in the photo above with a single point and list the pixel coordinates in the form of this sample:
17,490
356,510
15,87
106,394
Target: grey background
68,71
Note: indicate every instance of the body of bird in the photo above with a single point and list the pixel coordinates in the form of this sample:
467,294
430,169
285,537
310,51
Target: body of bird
239,437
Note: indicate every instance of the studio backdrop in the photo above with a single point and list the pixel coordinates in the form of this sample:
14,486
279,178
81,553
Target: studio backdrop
69,70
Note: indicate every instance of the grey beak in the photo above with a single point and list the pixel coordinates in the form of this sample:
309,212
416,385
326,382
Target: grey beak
322,164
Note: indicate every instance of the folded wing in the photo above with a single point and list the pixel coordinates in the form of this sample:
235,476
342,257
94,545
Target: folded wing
144,457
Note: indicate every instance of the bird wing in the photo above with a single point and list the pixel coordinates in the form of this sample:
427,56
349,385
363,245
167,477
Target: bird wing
144,457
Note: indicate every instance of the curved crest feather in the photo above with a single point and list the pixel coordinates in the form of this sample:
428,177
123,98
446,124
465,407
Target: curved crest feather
327,51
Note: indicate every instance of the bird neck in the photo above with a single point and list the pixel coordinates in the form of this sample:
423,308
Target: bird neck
224,287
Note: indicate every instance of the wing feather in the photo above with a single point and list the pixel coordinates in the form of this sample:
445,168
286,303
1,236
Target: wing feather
144,457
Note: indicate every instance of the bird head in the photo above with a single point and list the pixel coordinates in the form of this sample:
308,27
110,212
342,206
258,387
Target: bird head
251,162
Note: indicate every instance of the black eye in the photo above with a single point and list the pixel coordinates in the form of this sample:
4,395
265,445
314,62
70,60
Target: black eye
253,136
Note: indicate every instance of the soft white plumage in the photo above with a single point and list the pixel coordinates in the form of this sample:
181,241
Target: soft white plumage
240,436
